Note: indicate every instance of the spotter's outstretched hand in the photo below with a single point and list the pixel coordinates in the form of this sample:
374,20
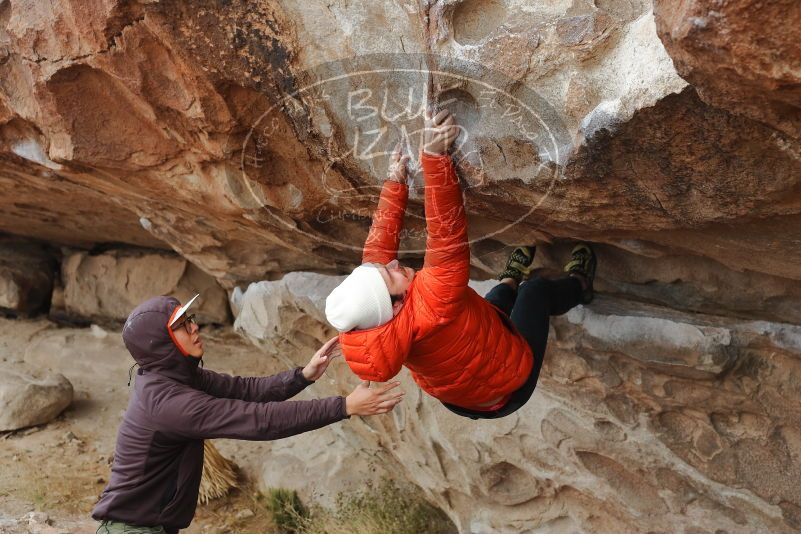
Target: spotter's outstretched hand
373,401
319,362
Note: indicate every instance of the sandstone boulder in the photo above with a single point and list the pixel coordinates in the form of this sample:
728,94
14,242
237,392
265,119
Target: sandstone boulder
250,137
643,416
31,399
255,152
264,311
229,157
111,284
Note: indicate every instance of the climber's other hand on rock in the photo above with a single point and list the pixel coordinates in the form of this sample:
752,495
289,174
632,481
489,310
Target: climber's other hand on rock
398,166
439,133
366,400
319,362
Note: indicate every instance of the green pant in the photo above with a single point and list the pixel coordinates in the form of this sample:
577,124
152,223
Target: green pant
115,527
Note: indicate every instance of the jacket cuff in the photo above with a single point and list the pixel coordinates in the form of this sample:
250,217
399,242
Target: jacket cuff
437,166
343,408
425,157
300,379
396,186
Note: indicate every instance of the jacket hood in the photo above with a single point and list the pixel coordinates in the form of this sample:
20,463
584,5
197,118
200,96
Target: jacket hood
148,339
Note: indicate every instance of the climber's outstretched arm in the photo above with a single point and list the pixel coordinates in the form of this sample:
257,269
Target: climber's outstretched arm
446,270
384,237
447,261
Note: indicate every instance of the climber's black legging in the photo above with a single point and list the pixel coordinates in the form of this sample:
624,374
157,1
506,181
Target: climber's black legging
529,308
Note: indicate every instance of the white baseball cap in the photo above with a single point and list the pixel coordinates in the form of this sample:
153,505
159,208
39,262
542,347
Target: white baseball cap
182,311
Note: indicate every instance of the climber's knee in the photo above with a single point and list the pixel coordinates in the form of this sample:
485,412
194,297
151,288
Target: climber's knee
534,287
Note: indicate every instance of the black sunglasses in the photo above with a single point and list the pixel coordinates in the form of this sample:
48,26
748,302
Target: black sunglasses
189,320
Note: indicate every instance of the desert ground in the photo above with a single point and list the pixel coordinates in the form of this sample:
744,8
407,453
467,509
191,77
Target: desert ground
60,468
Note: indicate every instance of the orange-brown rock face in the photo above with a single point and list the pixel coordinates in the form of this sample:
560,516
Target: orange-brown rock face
743,55
251,137
214,131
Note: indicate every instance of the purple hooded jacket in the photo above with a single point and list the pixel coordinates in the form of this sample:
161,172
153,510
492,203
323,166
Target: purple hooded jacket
174,406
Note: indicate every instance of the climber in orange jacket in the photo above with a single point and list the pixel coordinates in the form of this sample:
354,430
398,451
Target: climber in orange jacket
480,356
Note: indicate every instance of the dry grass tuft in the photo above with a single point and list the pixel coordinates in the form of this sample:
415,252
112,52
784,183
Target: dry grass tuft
219,474
385,509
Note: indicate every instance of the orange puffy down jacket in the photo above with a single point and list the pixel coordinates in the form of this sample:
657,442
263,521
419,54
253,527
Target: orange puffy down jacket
457,345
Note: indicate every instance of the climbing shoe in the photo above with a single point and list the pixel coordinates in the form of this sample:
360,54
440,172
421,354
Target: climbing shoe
583,263
518,266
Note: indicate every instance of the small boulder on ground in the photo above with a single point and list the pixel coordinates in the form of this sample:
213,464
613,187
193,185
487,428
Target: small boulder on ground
28,400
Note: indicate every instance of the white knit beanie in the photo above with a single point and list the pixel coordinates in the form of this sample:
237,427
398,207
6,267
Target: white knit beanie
361,301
